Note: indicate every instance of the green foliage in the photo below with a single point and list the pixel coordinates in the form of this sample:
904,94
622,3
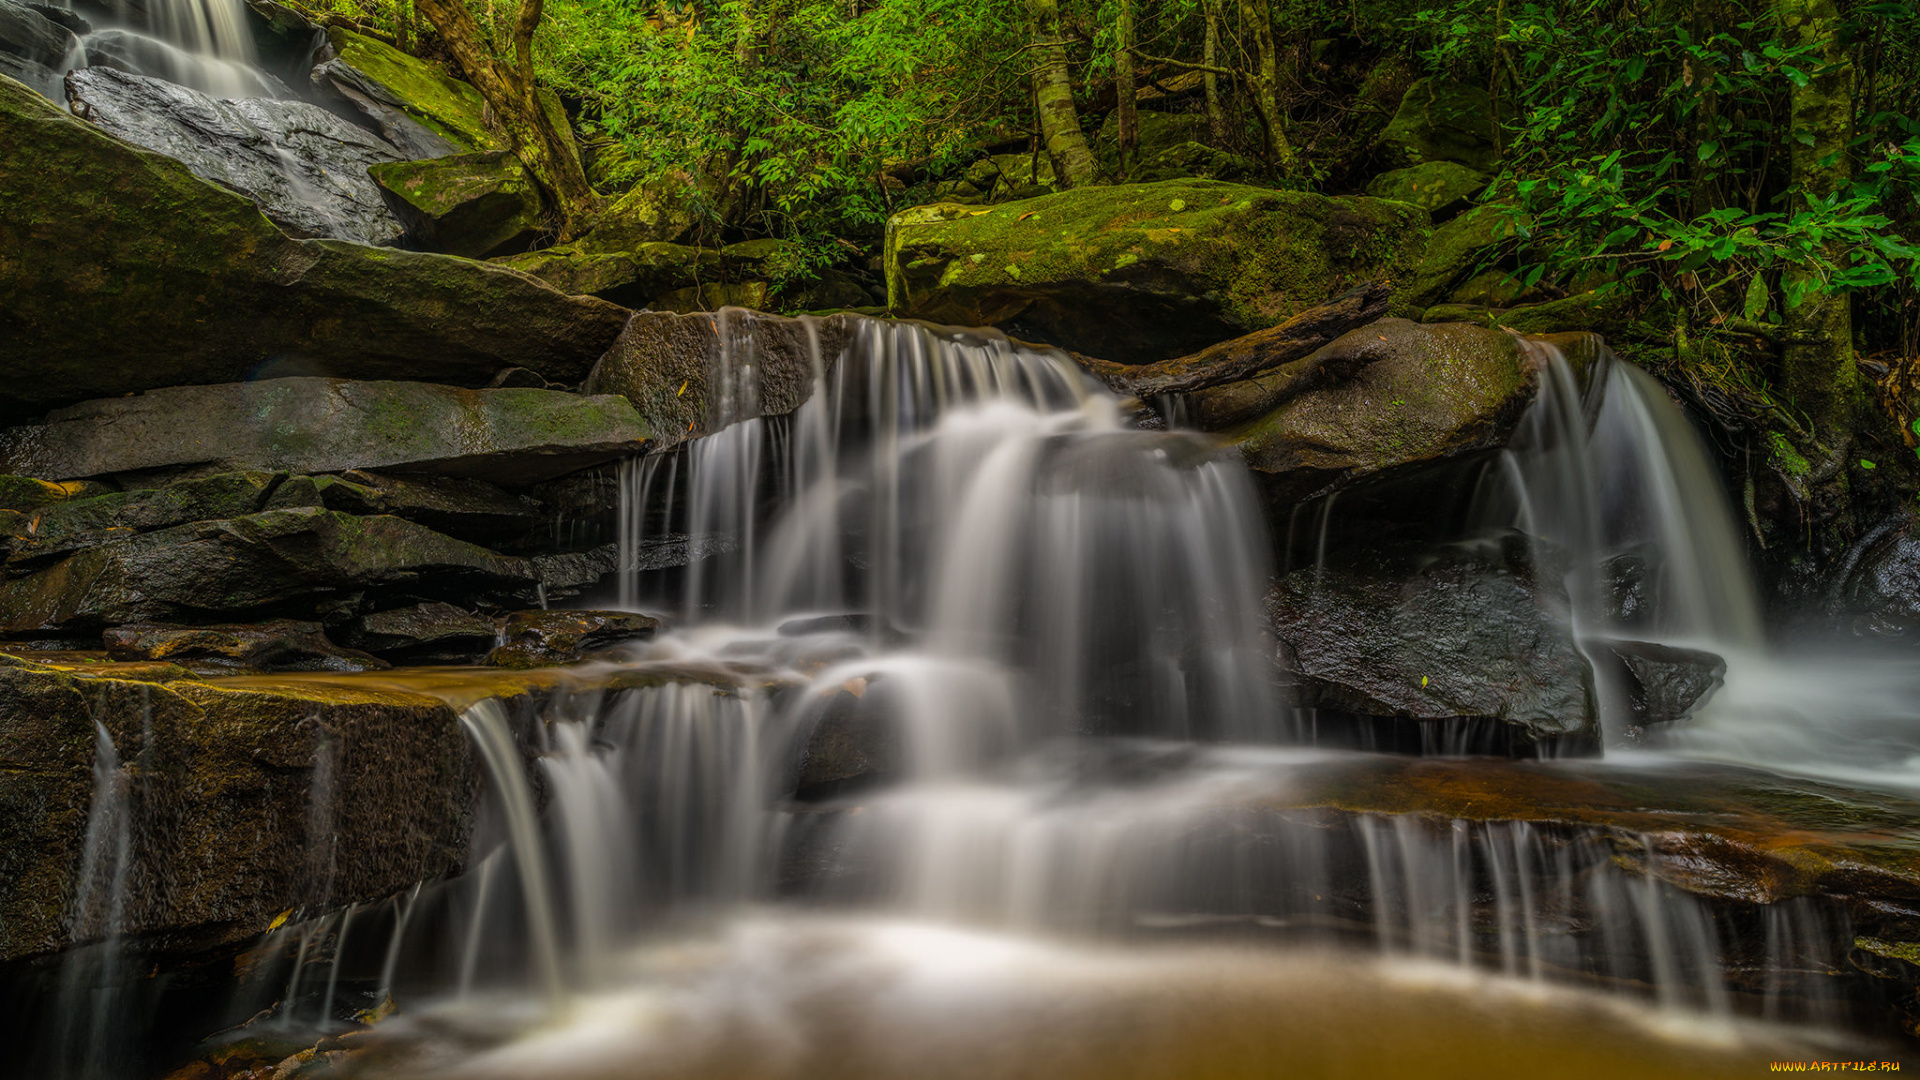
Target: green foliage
1654,150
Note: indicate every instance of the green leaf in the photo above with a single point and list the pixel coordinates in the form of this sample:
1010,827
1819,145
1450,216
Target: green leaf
1708,149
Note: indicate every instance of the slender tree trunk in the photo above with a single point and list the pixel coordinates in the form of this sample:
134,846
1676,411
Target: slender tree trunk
1821,379
1126,113
1210,56
508,88
1073,164
1258,17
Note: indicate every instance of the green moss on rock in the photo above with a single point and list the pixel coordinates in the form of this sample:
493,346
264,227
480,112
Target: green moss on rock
448,107
1143,272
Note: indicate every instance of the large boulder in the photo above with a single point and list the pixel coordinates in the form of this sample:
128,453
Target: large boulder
313,425
305,562
1439,187
1459,249
228,825
1875,592
124,272
1461,638
415,104
670,367
633,277
1142,272
303,166
1442,120
668,209
474,205
1412,395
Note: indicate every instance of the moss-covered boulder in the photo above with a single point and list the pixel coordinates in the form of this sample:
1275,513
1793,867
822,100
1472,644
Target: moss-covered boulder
1439,187
668,209
1442,120
999,177
310,425
1467,245
1196,160
714,295
299,563
1154,132
122,272
1142,272
474,205
73,524
418,106
228,826
1419,394
667,366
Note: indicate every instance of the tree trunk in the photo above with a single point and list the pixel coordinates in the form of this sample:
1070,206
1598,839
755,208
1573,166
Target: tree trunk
1126,115
1821,379
1073,164
1258,18
508,88
1210,56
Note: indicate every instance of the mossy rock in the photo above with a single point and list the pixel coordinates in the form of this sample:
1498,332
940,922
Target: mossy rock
995,178
1442,120
448,107
1155,132
297,562
1438,187
222,799
473,205
1143,272
1605,310
24,493
712,296
1194,159
1468,244
312,425
1422,394
124,272
668,209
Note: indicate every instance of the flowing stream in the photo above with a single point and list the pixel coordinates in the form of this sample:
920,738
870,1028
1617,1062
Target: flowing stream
966,740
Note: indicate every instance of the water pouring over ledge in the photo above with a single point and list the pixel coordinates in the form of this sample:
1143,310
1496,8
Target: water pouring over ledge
1037,629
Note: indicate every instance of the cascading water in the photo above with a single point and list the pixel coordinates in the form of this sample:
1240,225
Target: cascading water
962,652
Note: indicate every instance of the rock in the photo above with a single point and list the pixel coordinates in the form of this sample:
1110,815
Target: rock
415,104
1604,310
1197,160
666,364
1442,120
474,205
223,798
1460,638
1665,683
74,524
713,296
1495,289
279,645
1875,592
1154,132
1142,272
40,78
31,36
1442,188
997,177
570,573
310,425
298,562
124,272
668,209
1459,249
1420,394
632,278
460,506
20,493
537,638
424,632
303,166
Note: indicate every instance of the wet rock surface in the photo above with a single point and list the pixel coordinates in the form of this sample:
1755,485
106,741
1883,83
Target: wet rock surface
414,103
1468,641
213,282
279,645
538,638
425,633
325,425
1137,273
221,781
303,166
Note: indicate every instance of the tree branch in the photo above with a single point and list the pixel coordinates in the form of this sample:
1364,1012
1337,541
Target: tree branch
1186,64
